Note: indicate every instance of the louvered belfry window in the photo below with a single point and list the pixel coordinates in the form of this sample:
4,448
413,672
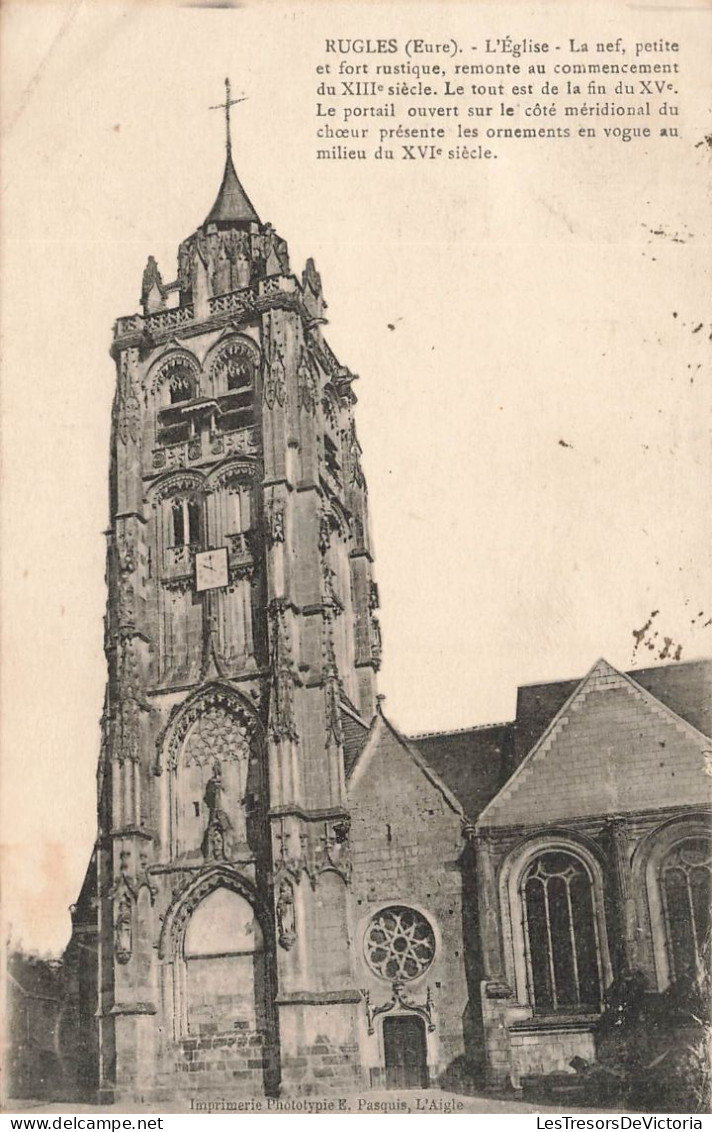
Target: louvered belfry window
185,517
561,935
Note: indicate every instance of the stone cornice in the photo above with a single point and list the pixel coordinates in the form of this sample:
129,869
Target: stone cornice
317,998
333,812
243,306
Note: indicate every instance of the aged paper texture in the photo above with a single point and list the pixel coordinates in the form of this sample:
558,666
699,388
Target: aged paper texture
503,210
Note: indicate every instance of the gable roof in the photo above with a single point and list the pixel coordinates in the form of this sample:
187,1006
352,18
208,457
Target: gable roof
685,687
604,752
472,762
381,734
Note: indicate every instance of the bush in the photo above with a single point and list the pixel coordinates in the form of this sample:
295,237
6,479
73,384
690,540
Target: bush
658,1043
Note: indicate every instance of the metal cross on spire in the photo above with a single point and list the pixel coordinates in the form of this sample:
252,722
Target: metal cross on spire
226,107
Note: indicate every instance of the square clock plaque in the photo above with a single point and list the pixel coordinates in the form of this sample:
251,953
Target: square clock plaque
211,569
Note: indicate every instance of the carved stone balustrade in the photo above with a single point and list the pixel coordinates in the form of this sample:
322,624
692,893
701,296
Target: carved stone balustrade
235,302
178,562
168,320
170,456
242,442
239,549
130,324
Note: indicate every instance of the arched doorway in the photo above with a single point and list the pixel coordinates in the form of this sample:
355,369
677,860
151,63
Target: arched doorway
224,959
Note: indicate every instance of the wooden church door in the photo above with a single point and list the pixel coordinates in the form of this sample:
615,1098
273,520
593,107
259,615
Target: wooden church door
405,1051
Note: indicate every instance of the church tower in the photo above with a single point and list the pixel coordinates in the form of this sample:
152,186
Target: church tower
240,628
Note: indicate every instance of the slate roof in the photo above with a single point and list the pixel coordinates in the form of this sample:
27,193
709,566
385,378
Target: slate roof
233,206
613,748
385,741
683,687
355,733
473,763
84,911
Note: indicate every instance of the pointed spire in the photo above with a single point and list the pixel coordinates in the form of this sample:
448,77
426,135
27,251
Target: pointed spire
233,206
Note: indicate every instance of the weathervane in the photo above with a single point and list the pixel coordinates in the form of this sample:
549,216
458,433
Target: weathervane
226,107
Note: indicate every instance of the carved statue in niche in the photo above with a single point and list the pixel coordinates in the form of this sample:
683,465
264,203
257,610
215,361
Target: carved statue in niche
376,641
329,591
275,385
122,930
219,826
308,384
325,524
126,561
286,923
126,604
275,523
282,723
217,843
126,555
275,381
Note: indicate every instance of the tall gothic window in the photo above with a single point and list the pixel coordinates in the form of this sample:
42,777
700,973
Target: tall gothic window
561,935
686,885
185,518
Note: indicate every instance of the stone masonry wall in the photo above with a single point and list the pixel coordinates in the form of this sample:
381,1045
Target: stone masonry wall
406,845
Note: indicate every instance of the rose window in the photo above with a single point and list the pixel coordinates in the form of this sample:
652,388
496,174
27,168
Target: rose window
399,943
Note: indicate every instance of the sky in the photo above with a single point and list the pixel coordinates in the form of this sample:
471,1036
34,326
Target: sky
533,406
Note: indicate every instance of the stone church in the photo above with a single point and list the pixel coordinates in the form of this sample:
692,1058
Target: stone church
286,893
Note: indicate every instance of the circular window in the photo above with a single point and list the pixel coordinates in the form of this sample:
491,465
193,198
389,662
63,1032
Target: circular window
399,944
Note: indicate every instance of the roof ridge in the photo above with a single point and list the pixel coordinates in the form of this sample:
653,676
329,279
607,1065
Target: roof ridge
543,744
460,730
622,671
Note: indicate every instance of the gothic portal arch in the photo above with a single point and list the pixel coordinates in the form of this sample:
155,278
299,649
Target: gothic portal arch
210,761
214,946
223,954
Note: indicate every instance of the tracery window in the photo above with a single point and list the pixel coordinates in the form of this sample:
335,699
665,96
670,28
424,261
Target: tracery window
180,387
239,372
561,937
233,378
686,888
399,943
